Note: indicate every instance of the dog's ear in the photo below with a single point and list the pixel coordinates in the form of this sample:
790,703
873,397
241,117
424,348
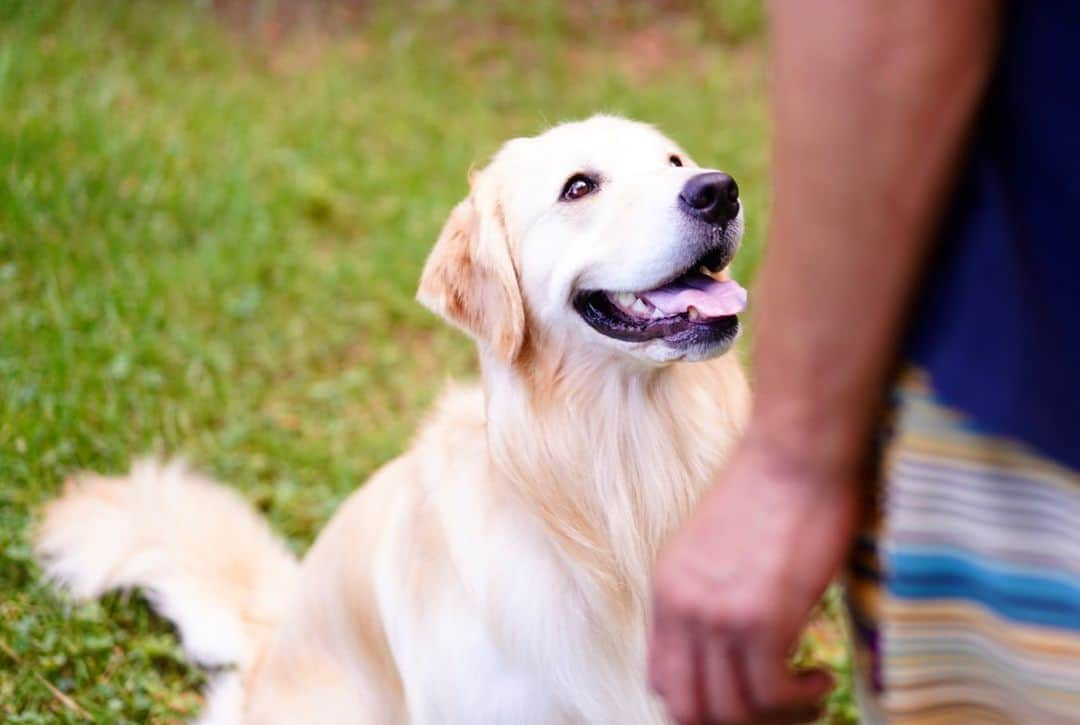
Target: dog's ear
469,277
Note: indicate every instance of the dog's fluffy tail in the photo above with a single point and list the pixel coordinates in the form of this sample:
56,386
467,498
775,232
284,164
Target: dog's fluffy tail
203,556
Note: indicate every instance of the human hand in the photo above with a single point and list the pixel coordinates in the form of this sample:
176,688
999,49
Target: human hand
732,590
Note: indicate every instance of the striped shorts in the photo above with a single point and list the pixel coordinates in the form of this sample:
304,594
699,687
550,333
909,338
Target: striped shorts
964,585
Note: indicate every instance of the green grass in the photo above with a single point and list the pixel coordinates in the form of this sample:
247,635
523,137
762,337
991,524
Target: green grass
209,246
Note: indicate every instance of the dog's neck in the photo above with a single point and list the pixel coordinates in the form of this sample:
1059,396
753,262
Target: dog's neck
612,458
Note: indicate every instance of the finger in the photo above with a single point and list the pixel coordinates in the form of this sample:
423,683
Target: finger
791,716
772,684
720,688
673,669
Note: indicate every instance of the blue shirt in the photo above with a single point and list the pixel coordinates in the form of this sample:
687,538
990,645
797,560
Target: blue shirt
997,326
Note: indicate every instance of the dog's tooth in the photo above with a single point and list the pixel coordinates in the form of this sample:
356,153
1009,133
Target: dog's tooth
656,313
625,299
692,313
640,307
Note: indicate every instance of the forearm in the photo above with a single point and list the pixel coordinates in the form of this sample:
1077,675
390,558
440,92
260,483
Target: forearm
872,103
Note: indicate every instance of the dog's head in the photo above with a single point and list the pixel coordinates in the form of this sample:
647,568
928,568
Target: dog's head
601,232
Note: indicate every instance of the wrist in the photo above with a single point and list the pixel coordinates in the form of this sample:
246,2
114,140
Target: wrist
818,441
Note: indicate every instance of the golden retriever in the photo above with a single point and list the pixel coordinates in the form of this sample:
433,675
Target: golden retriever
498,570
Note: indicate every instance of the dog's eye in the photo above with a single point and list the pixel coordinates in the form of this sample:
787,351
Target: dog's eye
577,186
674,160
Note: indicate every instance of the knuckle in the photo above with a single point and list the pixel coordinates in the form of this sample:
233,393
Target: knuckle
660,586
686,604
683,713
718,617
717,614
735,614
681,600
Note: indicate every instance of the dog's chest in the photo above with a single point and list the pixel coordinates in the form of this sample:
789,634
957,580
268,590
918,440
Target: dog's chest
519,637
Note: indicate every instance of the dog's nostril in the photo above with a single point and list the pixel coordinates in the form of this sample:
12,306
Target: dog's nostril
731,189
705,198
711,197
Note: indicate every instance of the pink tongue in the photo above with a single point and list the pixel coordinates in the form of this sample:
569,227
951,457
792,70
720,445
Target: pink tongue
708,296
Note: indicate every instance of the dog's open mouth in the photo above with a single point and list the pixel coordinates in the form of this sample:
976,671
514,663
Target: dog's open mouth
695,306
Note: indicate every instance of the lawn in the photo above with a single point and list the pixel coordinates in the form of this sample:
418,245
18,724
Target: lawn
210,234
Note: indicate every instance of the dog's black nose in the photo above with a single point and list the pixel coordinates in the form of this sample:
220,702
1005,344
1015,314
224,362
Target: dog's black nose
712,197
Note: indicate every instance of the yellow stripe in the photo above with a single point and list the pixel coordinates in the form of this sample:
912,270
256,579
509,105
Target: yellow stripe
914,711
935,433
962,455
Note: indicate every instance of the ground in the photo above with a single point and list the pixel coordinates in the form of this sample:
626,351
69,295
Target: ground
211,227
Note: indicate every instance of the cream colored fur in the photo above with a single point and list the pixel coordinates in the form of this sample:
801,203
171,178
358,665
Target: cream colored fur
497,571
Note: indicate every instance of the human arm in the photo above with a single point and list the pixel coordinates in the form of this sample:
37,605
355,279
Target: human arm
872,104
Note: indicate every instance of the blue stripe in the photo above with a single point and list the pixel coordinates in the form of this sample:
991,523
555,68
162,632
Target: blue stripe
1044,600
